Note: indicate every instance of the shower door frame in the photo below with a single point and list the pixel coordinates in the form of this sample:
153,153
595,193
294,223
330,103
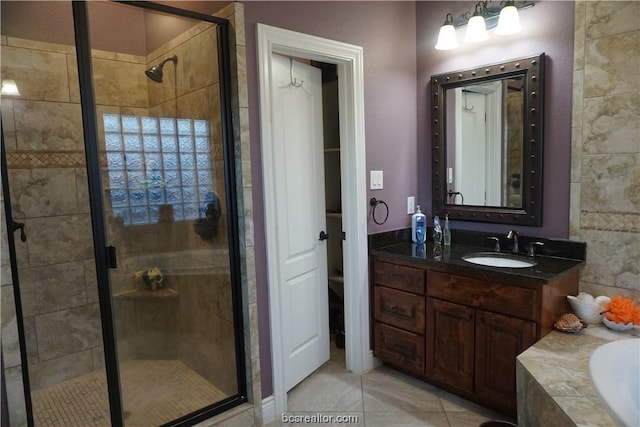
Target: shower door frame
104,260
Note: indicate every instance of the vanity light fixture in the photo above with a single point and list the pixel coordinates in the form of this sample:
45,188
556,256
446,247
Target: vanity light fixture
504,18
9,88
476,27
447,38
509,21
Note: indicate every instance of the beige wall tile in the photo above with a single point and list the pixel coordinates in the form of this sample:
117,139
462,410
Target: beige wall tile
605,18
612,124
120,83
59,239
10,343
8,125
53,287
195,105
198,63
576,154
66,332
43,192
578,99
39,74
579,35
41,45
609,65
613,258
74,81
48,126
611,182
61,369
574,212
605,193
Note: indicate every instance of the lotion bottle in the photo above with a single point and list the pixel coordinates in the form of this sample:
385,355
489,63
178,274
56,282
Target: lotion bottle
418,226
437,231
446,234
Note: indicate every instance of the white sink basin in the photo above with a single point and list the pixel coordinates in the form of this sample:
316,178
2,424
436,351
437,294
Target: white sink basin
498,260
614,369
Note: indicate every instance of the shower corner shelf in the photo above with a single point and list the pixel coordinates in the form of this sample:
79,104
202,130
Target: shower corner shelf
334,214
138,294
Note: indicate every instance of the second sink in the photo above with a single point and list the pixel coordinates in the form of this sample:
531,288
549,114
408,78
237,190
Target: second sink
494,259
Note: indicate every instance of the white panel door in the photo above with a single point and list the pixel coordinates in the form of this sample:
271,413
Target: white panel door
471,150
298,159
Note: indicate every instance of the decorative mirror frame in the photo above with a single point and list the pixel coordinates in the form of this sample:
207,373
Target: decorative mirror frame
530,213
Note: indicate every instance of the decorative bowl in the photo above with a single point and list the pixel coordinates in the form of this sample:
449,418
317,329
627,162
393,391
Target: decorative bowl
615,326
587,311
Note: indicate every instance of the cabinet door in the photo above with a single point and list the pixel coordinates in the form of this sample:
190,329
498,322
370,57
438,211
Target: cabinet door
450,343
499,339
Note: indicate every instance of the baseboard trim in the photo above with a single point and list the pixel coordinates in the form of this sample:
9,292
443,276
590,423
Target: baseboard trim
268,409
372,361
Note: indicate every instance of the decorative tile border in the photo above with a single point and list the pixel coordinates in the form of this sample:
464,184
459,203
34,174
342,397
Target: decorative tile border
45,159
610,221
49,159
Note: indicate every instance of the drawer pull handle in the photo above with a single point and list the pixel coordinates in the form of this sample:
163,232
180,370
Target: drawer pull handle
404,349
397,310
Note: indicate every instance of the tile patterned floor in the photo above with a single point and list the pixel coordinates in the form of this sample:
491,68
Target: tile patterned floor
154,392
380,398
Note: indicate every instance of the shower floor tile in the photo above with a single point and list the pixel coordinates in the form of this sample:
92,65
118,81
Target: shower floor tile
154,392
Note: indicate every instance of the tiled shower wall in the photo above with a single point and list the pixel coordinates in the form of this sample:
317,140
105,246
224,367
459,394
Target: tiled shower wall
48,184
605,159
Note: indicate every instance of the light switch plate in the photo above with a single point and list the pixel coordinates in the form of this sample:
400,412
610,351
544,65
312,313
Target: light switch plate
375,180
411,205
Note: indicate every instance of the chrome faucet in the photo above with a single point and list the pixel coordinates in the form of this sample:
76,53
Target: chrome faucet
513,234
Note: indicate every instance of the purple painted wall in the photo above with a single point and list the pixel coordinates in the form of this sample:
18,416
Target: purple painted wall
386,31
548,27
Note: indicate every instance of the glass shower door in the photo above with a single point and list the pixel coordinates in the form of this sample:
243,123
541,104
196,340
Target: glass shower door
164,191
54,277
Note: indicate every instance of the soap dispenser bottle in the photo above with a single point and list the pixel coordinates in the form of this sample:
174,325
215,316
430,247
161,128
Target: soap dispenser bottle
418,226
446,234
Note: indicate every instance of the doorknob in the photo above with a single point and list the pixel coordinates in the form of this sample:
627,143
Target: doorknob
323,236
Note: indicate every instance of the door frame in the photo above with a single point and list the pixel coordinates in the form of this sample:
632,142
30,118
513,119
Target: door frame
350,66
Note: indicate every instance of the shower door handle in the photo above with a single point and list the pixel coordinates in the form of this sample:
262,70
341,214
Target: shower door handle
112,260
20,225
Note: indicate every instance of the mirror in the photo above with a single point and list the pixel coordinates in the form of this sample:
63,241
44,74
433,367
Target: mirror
487,139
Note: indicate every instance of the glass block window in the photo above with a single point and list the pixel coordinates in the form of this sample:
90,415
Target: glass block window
154,162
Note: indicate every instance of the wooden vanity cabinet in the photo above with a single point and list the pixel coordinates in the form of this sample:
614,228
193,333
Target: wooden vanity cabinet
472,329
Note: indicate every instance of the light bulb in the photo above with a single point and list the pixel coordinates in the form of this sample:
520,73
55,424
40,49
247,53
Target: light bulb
447,39
476,30
509,21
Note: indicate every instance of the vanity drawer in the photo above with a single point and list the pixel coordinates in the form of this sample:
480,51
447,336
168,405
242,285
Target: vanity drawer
399,277
506,299
399,348
400,309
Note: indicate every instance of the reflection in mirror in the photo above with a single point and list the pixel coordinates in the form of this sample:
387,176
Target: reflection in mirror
487,138
484,143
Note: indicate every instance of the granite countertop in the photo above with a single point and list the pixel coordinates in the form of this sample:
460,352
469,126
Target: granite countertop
449,258
555,258
559,364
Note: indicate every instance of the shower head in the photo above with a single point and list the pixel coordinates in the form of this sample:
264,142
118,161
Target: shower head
155,72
